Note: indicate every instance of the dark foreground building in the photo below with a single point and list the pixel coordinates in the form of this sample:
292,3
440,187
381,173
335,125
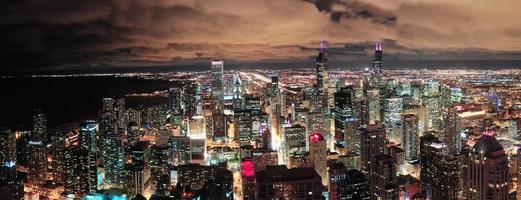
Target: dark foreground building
279,182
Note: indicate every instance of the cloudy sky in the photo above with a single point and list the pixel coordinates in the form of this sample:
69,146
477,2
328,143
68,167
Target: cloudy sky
58,34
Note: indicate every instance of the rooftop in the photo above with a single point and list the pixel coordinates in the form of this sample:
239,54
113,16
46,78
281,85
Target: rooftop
281,173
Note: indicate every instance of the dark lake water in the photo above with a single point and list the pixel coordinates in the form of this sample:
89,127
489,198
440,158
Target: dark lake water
69,99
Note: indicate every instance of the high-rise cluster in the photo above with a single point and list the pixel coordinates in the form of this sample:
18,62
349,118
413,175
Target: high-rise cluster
281,134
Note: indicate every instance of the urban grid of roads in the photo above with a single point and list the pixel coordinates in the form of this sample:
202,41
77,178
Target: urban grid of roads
283,134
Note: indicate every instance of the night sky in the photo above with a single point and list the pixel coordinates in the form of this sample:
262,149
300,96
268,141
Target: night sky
83,34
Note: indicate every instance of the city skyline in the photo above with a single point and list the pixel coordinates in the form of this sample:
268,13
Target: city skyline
395,101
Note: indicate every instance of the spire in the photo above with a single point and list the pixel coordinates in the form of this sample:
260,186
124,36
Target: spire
378,46
322,46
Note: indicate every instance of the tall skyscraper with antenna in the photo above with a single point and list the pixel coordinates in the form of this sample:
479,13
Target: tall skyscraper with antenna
377,69
322,82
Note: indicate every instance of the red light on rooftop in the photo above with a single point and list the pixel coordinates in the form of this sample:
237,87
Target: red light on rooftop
315,137
247,168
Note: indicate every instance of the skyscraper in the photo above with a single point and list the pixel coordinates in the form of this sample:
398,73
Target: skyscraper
295,138
322,80
373,106
237,90
113,158
383,178
89,142
279,182
36,161
76,171
175,98
372,144
318,155
107,117
452,130
392,119
39,125
488,170
354,187
10,185
430,146
345,117
410,141
377,69
217,70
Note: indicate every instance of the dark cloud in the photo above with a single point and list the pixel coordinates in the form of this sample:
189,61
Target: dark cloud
48,34
345,10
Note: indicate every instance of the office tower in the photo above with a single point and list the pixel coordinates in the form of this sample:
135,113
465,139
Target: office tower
273,85
113,158
488,170
89,142
243,125
345,116
10,185
373,106
410,141
421,111
322,81
197,127
238,90
295,138
7,147
36,161
141,155
337,173
452,130
195,176
433,101
354,187
377,69
76,168
175,100
62,137
217,85
133,179
219,127
430,146
383,178
372,141
446,177
392,118
40,125
160,164
263,158
120,113
107,117
191,99
279,182
318,155
180,148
